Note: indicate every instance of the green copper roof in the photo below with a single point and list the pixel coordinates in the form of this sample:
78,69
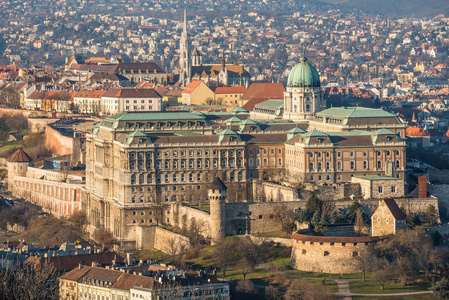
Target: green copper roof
239,110
296,130
233,120
227,132
376,177
272,103
148,116
354,112
303,75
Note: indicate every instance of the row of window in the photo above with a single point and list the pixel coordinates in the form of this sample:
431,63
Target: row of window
265,162
231,163
352,165
265,151
353,153
141,155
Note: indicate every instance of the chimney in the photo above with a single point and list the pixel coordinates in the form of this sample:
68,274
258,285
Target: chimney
129,258
80,266
422,187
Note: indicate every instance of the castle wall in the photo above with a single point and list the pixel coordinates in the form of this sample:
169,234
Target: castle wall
184,215
58,143
328,254
255,217
274,192
59,199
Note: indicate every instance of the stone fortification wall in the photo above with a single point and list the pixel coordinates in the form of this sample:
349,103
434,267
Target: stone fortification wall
149,237
274,192
328,254
281,241
255,217
38,125
58,143
59,199
184,216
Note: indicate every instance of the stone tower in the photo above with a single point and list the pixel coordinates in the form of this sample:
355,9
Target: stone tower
217,198
184,55
17,166
303,96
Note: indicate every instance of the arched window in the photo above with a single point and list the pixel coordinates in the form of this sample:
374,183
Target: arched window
141,178
398,164
133,179
328,165
379,164
311,166
319,166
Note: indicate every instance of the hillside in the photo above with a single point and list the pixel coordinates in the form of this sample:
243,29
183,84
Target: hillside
396,8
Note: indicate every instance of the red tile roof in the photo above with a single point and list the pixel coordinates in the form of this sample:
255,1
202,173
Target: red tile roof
230,90
260,92
20,156
192,86
131,93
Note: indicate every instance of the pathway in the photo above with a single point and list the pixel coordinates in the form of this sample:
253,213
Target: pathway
345,293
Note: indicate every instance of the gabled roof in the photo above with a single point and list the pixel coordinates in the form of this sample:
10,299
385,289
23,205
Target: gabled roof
192,86
394,208
20,156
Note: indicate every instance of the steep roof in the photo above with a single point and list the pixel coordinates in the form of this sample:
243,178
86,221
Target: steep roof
217,184
264,91
394,208
143,67
54,95
20,156
192,86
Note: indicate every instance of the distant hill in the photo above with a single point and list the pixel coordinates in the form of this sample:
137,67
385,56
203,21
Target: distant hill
396,8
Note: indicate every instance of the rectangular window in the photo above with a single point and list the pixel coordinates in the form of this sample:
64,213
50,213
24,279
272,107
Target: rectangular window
393,189
379,189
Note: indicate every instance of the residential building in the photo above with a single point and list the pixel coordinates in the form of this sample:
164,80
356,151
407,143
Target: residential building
388,219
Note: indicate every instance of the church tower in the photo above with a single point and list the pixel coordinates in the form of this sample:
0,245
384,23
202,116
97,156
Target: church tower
303,96
217,199
184,54
197,59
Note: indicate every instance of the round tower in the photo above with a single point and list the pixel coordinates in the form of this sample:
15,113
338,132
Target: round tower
17,166
217,199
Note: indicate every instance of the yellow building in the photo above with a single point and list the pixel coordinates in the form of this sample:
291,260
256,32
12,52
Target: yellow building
229,95
197,93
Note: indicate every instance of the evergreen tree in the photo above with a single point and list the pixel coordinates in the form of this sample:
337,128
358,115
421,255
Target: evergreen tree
316,218
313,204
334,217
350,215
415,221
323,219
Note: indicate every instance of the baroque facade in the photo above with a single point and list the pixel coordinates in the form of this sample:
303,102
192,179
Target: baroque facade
140,163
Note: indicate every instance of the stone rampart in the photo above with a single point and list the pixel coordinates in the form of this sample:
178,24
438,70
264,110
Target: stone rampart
57,198
149,237
281,241
328,254
58,143
184,216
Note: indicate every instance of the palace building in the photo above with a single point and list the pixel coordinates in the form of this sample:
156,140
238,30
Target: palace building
139,163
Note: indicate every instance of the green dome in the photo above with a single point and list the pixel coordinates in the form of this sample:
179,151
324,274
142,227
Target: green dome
303,75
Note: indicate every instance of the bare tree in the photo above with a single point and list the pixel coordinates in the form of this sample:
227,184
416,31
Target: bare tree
359,224
175,249
28,282
225,254
364,261
286,216
104,237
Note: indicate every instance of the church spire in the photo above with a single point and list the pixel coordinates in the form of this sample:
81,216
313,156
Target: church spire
185,22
